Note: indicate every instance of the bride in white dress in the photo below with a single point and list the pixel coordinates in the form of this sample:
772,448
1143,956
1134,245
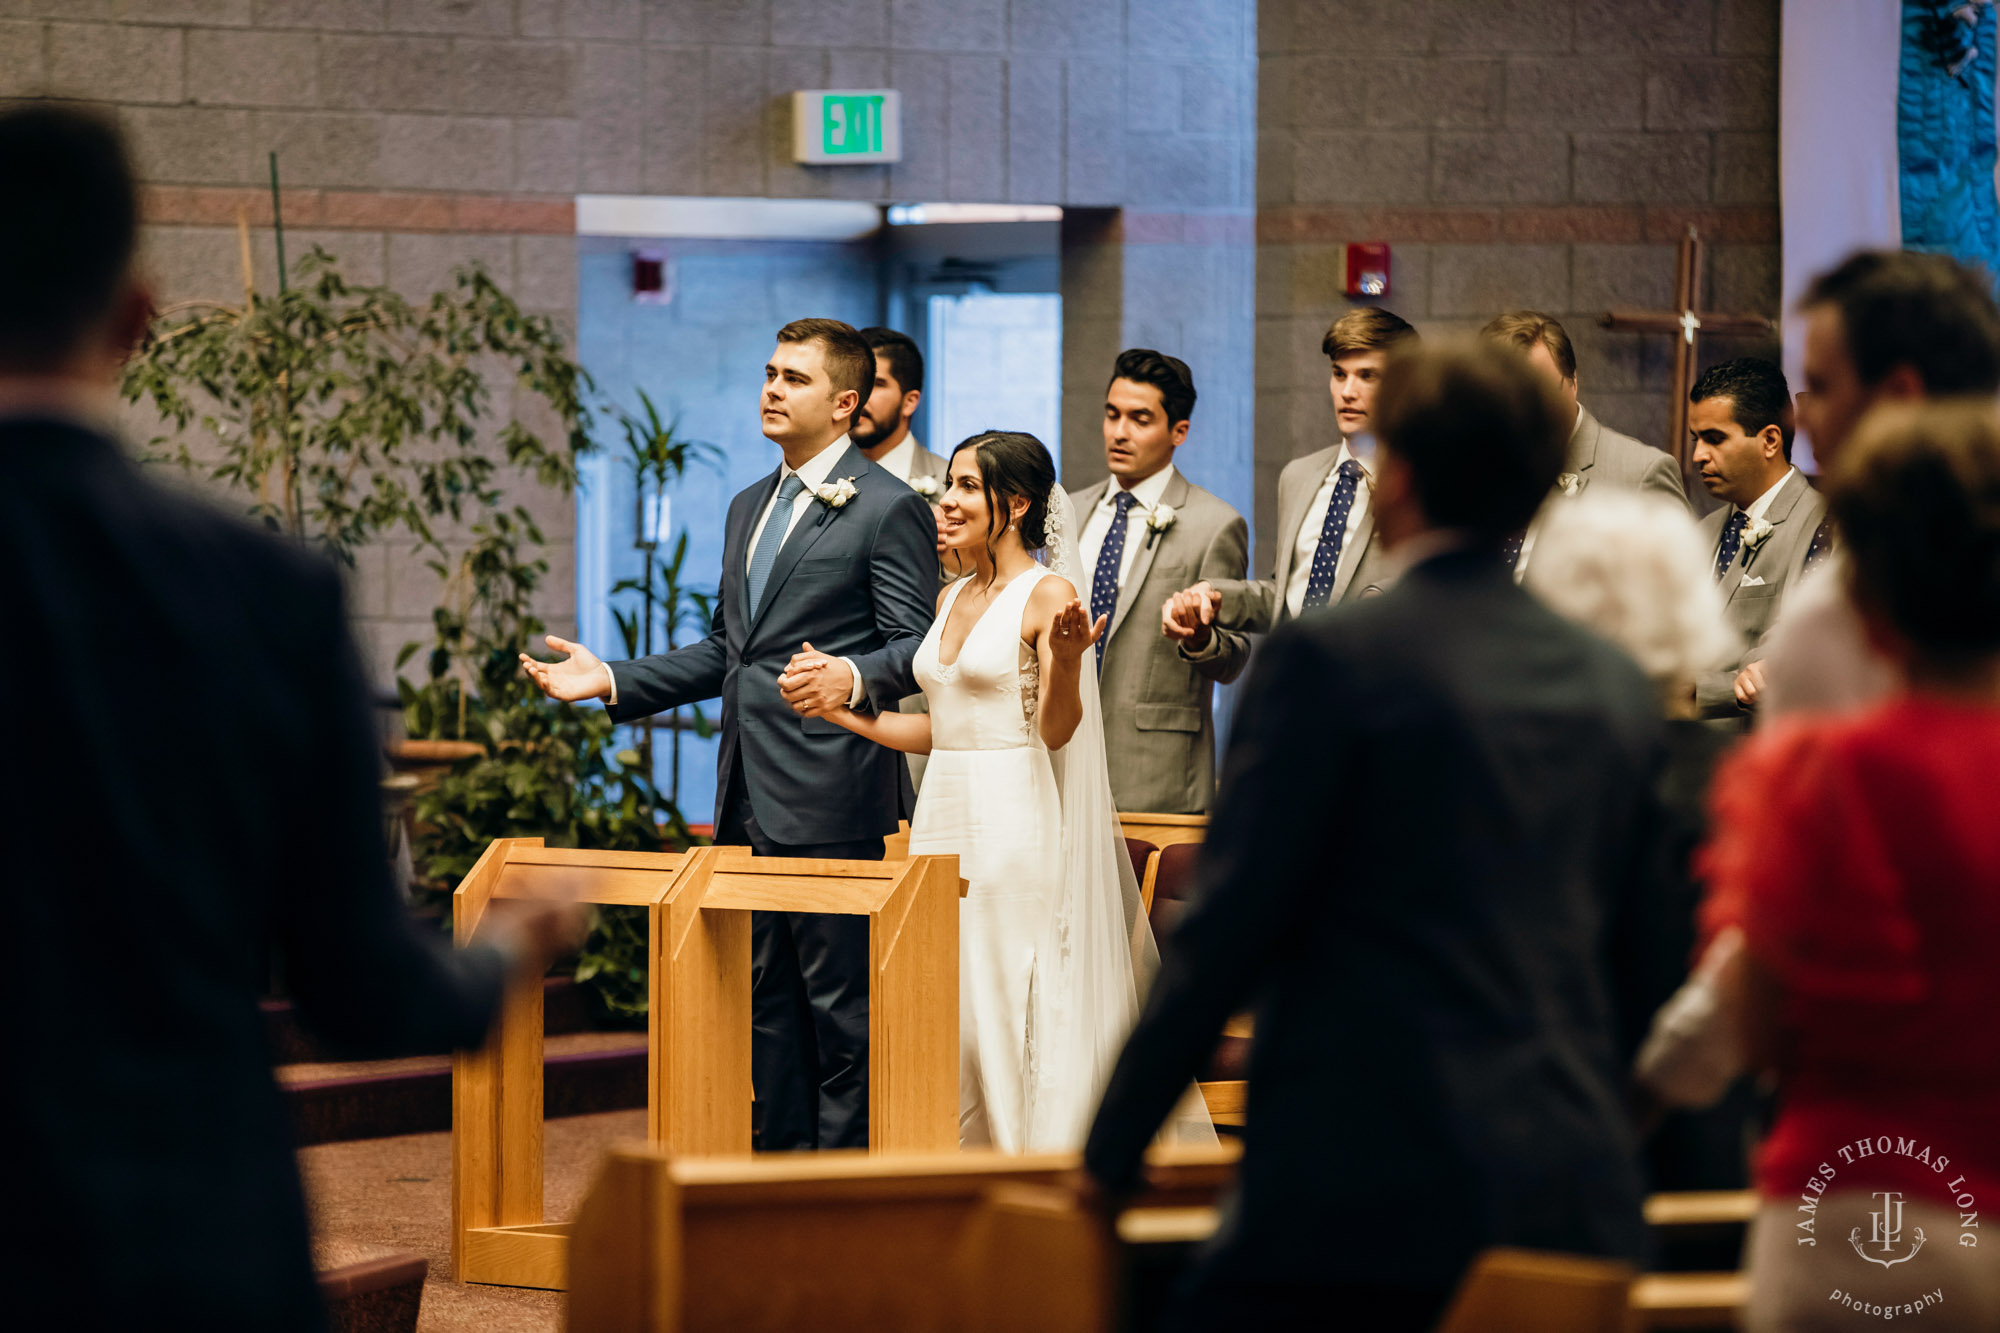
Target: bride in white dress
1053,949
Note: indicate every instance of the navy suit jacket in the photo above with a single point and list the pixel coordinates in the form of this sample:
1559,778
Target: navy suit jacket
858,582
1433,871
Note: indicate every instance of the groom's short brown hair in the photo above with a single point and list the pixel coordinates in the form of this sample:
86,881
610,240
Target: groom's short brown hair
850,363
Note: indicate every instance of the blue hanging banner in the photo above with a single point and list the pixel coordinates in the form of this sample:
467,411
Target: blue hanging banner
1945,130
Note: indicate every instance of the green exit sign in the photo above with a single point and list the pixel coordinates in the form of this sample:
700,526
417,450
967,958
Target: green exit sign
847,125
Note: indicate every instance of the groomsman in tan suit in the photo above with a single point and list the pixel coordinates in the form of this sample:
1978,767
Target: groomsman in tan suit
1740,419
1326,548
881,428
1146,531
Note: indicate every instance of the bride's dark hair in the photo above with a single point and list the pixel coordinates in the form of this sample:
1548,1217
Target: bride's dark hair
1013,463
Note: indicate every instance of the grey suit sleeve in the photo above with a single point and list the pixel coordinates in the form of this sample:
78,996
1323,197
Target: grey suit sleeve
1664,476
1715,694
1257,864
1225,561
903,580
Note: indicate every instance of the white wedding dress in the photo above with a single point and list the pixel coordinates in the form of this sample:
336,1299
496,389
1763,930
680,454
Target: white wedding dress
1054,951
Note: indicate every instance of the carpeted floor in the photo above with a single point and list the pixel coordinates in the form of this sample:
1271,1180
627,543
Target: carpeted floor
398,1192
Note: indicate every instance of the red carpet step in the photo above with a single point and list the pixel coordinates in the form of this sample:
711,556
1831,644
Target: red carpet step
369,1288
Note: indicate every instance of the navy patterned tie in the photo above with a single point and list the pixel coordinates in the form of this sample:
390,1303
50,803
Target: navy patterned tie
772,538
1326,560
1732,542
1110,559
1510,550
1822,543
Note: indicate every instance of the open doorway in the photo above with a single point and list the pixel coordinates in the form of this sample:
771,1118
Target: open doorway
680,299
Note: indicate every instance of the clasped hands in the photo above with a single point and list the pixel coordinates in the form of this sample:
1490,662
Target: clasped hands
1187,615
814,684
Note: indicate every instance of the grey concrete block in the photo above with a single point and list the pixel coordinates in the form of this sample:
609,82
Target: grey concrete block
1646,27
924,80
447,152
1326,93
545,272
547,156
1641,168
1643,416
421,263
319,148
1746,169
1500,167
604,20
23,72
1476,282
1607,362
230,68
976,160
324,15
610,113
1589,95
1182,171
738,22
857,69
1457,93
1356,27
192,263
829,22
190,145
1035,87
1152,97
1737,94
1364,167
965,25
1747,27
1215,98
386,73
220,13
786,70
1603,277
1744,279
675,79
540,18
1277,171
1071,26
494,18
115,63
1503,25
1184,29
514,78
736,140
361,256
78,11
1094,159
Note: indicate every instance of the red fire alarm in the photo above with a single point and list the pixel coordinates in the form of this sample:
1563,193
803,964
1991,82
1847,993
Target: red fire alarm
650,284
1367,268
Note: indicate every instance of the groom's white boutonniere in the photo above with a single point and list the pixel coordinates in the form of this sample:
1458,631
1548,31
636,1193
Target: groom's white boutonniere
926,486
1569,483
834,494
1158,519
1756,532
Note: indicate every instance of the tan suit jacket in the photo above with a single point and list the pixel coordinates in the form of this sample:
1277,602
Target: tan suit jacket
1159,719
1600,454
1755,585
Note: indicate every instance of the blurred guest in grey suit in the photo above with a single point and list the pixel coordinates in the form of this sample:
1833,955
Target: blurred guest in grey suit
1147,532
1740,417
1326,549
1596,452
881,428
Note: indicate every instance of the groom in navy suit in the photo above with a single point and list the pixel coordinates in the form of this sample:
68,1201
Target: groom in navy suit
832,552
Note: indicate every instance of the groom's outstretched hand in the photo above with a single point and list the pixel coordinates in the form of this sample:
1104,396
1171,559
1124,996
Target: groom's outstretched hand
815,684
579,676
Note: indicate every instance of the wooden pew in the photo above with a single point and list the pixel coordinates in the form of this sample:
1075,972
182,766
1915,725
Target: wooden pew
840,1241
1163,830
699,906
1527,1291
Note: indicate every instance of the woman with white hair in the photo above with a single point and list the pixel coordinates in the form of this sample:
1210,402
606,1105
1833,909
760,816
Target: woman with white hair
1633,567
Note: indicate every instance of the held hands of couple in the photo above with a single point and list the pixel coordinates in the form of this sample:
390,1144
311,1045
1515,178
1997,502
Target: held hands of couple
1186,616
814,684
579,676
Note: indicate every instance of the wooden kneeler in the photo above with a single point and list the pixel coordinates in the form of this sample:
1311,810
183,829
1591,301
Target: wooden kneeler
698,1060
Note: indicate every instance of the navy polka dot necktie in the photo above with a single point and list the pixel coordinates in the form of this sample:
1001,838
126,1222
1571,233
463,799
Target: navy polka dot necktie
1333,532
1822,543
1510,550
1732,542
1110,560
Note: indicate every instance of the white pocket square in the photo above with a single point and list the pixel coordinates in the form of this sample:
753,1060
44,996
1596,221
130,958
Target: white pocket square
1752,581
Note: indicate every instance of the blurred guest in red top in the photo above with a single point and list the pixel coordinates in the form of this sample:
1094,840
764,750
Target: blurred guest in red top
1857,860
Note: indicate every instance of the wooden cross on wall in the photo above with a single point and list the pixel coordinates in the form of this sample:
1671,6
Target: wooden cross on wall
1687,324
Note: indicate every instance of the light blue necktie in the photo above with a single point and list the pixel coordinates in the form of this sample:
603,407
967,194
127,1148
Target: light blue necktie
772,538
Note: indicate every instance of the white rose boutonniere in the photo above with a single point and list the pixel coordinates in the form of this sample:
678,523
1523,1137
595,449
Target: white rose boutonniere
834,494
1569,483
926,486
1755,533
1158,519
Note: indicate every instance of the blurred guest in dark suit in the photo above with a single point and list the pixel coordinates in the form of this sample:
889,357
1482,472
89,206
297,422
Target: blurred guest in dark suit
1437,1068
194,779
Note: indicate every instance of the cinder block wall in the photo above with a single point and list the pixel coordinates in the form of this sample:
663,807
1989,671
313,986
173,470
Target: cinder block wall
1544,153
414,134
